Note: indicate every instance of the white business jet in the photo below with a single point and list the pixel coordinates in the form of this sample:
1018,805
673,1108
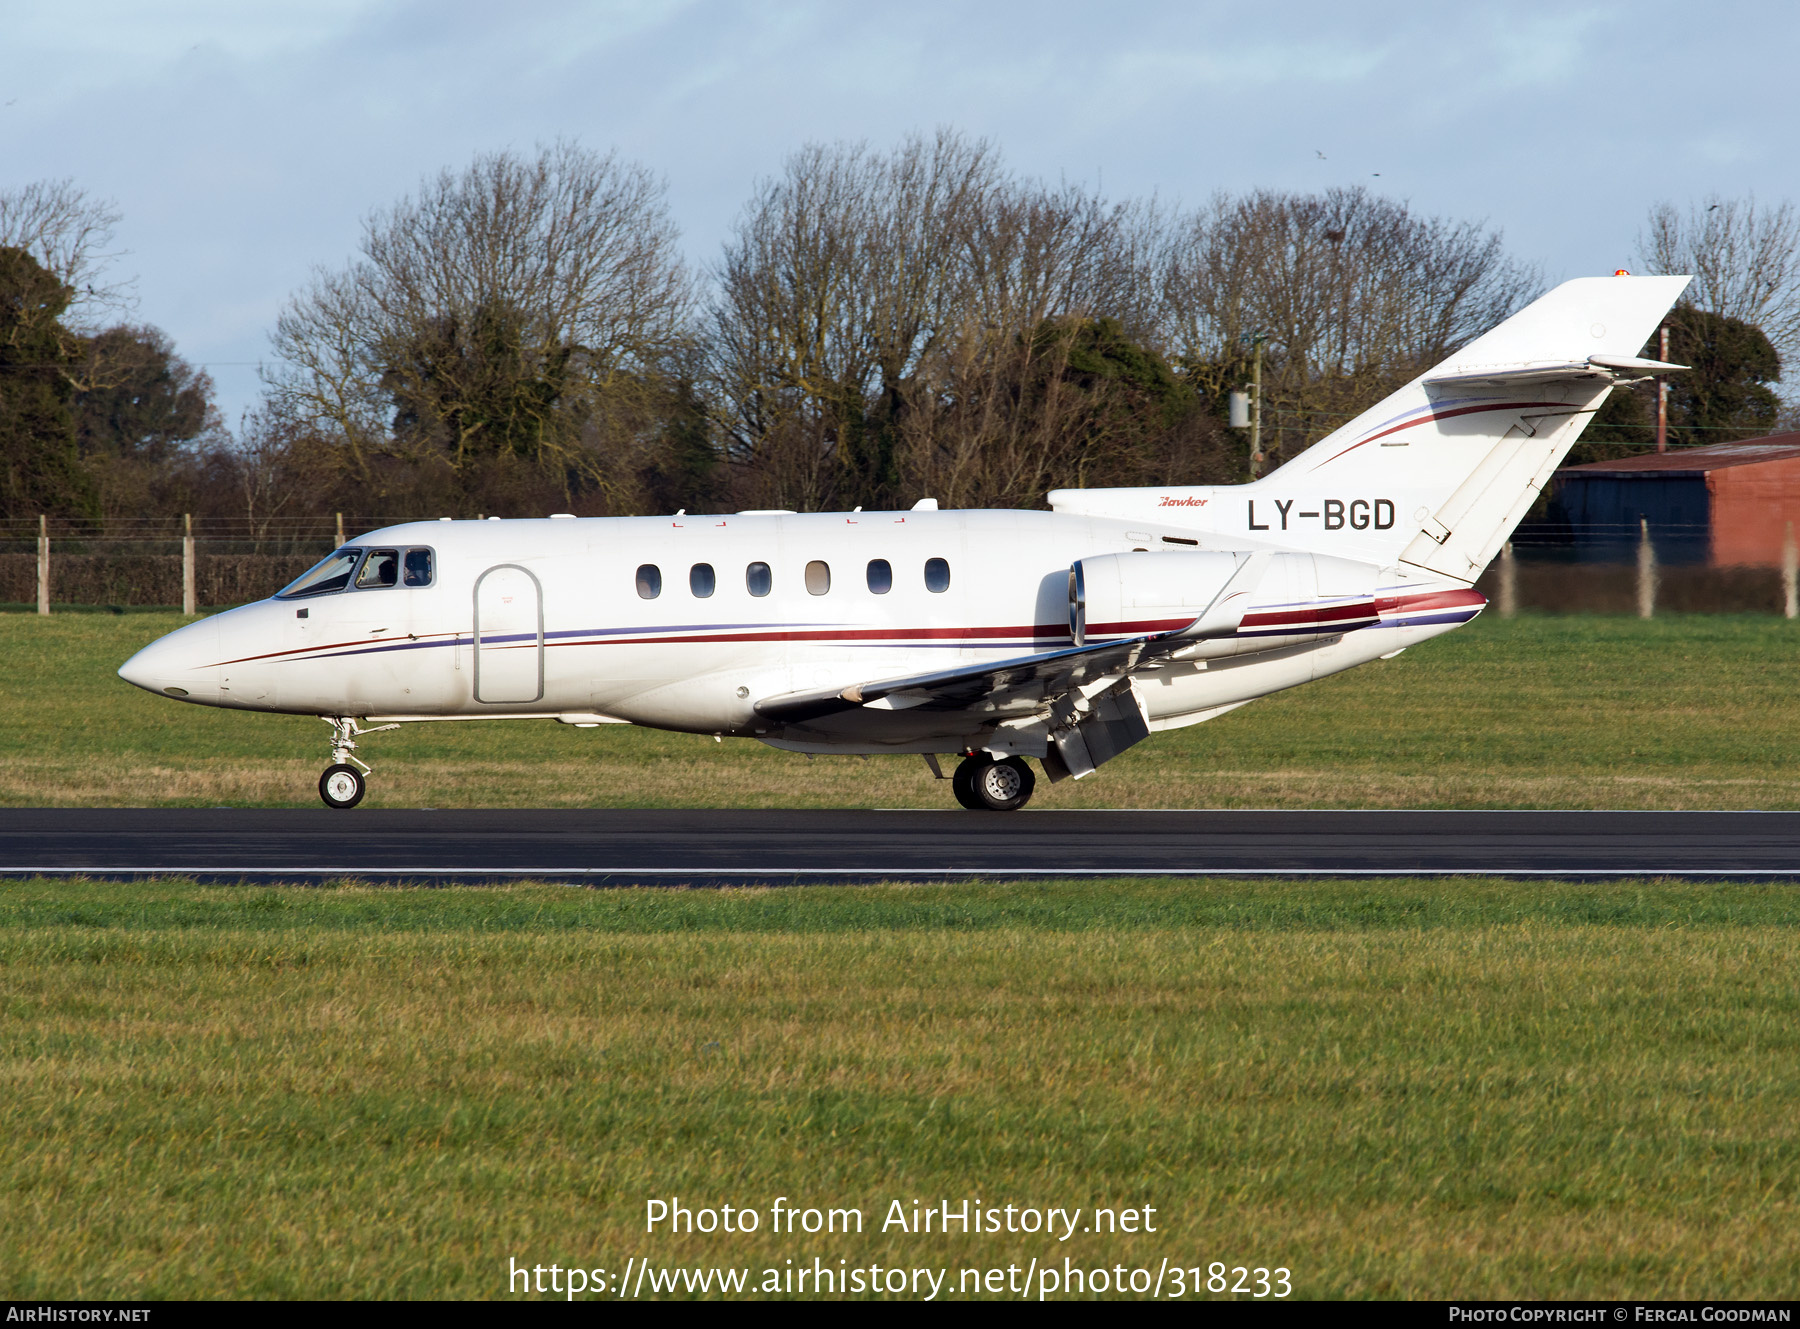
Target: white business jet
1064,636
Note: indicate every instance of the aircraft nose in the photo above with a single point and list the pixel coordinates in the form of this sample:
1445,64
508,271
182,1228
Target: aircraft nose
183,664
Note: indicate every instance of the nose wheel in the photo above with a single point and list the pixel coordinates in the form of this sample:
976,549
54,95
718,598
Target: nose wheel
345,781
982,784
342,786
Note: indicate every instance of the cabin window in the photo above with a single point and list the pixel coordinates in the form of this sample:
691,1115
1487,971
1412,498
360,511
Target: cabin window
818,577
881,576
701,580
649,581
417,569
380,568
937,575
332,574
758,579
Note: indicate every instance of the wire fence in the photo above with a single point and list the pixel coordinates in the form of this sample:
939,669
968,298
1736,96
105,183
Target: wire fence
224,535
186,562
213,562
1645,588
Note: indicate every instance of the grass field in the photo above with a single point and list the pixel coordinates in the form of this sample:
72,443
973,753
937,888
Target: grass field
1462,1089
1681,712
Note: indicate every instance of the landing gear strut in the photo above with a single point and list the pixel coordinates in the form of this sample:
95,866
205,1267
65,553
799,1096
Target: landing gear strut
982,784
343,784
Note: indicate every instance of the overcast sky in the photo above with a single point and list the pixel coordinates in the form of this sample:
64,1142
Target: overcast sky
245,142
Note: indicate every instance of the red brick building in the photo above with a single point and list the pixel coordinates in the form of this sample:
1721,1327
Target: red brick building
1725,505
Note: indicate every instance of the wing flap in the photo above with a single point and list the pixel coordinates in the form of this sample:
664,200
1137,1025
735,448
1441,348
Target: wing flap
1040,677
958,689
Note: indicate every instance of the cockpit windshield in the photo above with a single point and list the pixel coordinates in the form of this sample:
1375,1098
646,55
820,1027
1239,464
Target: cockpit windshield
380,568
333,574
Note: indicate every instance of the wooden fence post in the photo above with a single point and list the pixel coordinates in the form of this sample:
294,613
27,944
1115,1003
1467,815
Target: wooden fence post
1646,571
1509,581
190,603
43,564
340,532
1790,575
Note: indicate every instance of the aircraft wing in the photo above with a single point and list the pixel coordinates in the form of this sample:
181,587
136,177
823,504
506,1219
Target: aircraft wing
1025,677
1039,678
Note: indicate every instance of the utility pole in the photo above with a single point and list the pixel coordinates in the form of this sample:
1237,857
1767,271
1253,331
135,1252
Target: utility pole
1662,395
1256,452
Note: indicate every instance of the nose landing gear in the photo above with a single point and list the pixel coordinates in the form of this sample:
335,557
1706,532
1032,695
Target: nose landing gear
343,784
982,784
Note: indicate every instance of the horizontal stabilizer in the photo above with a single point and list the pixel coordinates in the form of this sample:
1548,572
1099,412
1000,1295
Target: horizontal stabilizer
1607,369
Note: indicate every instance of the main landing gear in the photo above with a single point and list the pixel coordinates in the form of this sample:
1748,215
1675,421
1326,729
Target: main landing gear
983,784
343,784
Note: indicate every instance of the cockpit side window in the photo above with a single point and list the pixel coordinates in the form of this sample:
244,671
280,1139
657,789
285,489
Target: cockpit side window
380,568
417,570
331,574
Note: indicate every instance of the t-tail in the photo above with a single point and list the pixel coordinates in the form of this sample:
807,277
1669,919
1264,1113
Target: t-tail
1438,474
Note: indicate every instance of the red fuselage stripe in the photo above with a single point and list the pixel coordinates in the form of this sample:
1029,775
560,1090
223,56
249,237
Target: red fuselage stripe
1298,618
1443,415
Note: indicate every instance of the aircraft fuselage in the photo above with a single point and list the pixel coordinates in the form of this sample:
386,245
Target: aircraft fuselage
685,622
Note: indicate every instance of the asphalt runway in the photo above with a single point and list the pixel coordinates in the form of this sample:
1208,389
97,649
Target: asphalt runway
716,848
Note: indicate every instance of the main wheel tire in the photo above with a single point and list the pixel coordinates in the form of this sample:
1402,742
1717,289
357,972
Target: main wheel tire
342,786
986,785
962,781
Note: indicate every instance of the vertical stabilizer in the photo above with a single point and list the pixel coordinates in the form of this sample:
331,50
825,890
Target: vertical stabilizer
1467,446
1438,473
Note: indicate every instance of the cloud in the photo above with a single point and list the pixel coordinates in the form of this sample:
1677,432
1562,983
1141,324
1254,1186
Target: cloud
246,142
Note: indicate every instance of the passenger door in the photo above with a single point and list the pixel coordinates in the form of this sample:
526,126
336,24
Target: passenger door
509,636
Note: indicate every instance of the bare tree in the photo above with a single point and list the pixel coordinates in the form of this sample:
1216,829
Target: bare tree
842,277
1744,258
266,462
885,322
1024,396
1351,293
70,233
504,316
1045,252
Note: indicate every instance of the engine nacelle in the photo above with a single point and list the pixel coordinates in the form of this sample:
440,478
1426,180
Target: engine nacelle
1128,595
1125,595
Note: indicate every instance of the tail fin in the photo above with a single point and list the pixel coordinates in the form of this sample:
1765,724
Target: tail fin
1467,446
1439,473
